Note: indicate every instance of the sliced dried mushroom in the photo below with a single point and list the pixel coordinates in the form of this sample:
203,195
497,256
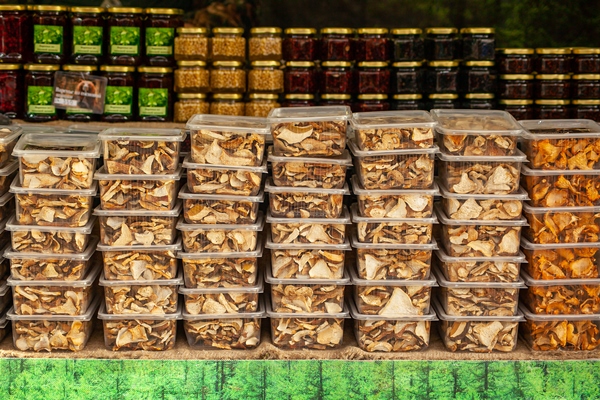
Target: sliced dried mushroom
141,157
380,264
309,174
481,271
480,145
145,265
315,333
215,271
394,138
481,240
58,242
51,300
563,190
156,195
220,303
395,232
562,263
140,334
479,336
396,171
224,181
563,299
300,298
227,148
481,177
562,226
392,335
47,269
482,209
315,233
140,299
307,263
564,153
306,204
294,139
481,301
47,335
396,206
561,335
392,301
137,230
217,240
232,212
223,333
53,210
71,173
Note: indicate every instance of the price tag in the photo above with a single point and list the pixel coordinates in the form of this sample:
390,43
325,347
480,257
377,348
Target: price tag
80,92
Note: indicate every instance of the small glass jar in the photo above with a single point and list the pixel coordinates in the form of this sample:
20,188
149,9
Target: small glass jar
479,101
299,100
441,44
515,86
39,89
265,44
587,109
371,102
372,77
300,44
336,77
406,44
155,94
442,77
265,77
88,35
191,44
478,44
552,109
586,60
11,90
227,77
300,77
189,104
228,104
124,44
586,86
119,101
407,102
519,109
51,34
553,61
477,77
407,77
443,100
15,26
159,26
261,104
371,45
514,61
554,86
192,77
337,44
79,114
335,99
227,44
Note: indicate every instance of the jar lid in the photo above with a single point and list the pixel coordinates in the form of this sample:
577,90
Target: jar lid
191,95
47,8
12,7
228,30
441,31
479,96
300,64
372,31
189,63
556,51
478,31
406,31
125,10
199,30
89,10
335,96
479,63
337,31
447,64
299,96
586,50
338,64
164,11
80,68
41,67
117,68
265,64
373,64
587,102
372,97
261,30
300,31
519,51
443,96
155,70
234,64
417,96
553,77
263,96
227,96
9,67
592,77
407,64
553,102
515,102
516,77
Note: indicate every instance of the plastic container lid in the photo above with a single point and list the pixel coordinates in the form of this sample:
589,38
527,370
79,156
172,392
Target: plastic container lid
566,128
477,122
445,283
519,156
174,213
344,281
383,246
87,281
556,317
525,170
441,313
234,254
85,128
445,258
12,226
39,128
392,119
136,282
101,175
89,314
274,314
303,114
343,159
357,152
143,134
257,226
358,219
520,195
447,221
188,164
404,318
344,219
154,247
102,315
526,244
529,281
8,133
6,197
226,123
358,190
271,188
306,246
389,282
45,145
15,187
537,210
185,194
9,168
203,317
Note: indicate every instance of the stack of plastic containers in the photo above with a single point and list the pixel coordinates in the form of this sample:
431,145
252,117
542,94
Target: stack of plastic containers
221,228
138,214
481,222
562,242
394,157
53,273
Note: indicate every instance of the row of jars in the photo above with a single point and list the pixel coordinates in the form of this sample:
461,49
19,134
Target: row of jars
549,86
583,60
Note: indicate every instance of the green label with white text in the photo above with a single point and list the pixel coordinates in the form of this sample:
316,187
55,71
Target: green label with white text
153,102
47,39
159,41
118,100
125,40
76,110
87,40
39,100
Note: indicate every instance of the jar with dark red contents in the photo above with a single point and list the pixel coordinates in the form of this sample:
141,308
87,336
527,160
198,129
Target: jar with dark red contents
125,35
441,44
515,86
11,90
552,86
337,44
585,86
478,77
120,100
514,61
371,102
407,77
160,26
328,99
553,61
479,101
372,77
371,45
39,91
78,114
51,34
300,44
478,44
15,26
443,100
300,77
407,102
336,77
155,94
587,109
520,109
442,77
552,109
299,100
406,44
586,60
88,35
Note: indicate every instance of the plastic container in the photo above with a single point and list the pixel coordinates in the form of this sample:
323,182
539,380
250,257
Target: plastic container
9,135
309,230
480,269
7,175
234,300
219,209
5,297
562,224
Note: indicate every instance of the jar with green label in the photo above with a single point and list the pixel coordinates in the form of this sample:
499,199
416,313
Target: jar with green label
51,35
125,35
88,33
155,86
228,104
78,114
120,97
39,88
160,26
189,104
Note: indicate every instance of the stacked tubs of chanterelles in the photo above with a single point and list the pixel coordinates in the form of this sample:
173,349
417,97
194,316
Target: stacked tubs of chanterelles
481,222
394,158
53,273
221,229
308,221
138,214
562,242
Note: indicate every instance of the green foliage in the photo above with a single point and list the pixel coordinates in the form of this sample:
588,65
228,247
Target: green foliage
39,95
47,34
124,36
153,97
87,35
117,95
160,36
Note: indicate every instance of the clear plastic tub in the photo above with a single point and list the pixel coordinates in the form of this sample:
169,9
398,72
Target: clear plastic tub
53,332
309,131
394,169
562,144
226,140
54,297
300,202
138,192
221,179
392,130
57,161
5,296
205,301
137,227
9,135
3,327
219,209
141,151
7,175
309,230
148,332
7,205
211,238
562,224
477,132
480,269
4,264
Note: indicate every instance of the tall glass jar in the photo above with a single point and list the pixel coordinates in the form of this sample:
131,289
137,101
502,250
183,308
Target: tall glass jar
265,44
515,86
553,86
120,100
477,77
336,77
371,102
125,35
442,77
520,109
265,77
155,94
160,25
407,102
586,109
88,35
407,45
189,104
586,60
299,100
228,104
39,89
333,99
192,44
479,101
227,77
11,90
337,44
478,44
77,114
586,86
552,109
300,77
51,34
441,44
261,104
371,45
300,44
15,26
192,77
407,77
227,44
552,61
372,77
443,100
514,61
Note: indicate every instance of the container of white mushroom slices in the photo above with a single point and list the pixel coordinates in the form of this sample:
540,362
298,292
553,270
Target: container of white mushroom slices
7,175
480,269
53,332
309,230
7,205
562,224
141,151
143,331
9,135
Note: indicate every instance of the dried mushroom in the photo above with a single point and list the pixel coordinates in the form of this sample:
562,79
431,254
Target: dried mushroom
224,181
315,333
141,299
307,298
484,209
221,303
294,139
481,271
481,301
71,173
563,227
53,210
309,174
395,232
315,233
58,242
219,240
396,171
223,333
156,195
140,334
563,299
480,145
227,148
220,211
380,264
45,335
561,335
481,240
562,263
144,265
479,336
396,206
394,138
563,190
392,335
392,301
564,153
51,300
137,230
42,269
307,263
143,157
481,177
306,205
219,272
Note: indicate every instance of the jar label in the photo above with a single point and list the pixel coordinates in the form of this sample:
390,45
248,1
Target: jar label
118,100
47,39
153,102
159,41
87,40
39,100
125,40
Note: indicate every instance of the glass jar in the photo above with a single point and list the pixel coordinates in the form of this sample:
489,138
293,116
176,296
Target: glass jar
552,86
552,109
265,44
228,104
520,109
407,77
586,86
371,102
120,99
88,34
336,77
514,61
443,100
300,77
515,86
371,45
478,77
586,60
300,44
78,114
39,86
407,102
15,26
442,77
406,44
189,104
155,97
261,104
192,77
227,77
479,101
372,77
299,100
478,44
191,44
337,44
51,34
553,61
227,44
334,99
159,26
125,35
265,77
11,90
441,44
587,109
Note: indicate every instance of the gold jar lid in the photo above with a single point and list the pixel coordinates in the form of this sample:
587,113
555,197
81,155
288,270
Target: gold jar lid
228,96
48,8
586,102
553,102
41,67
372,31
299,96
586,50
263,96
79,68
12,7
184,96
125,10
223,30
515,102
337,31
407,64
406,31
479,64
272,64
372,64
88,10
372,97
336,96
443,64
552,77
10,67
193,30
300,31
516,77
443,96
117,68
336,64
263,30
189,63
591,77
441,31
164,11
155,70
230,64
517,51
300,64
553,51
479,96
478,31
417,96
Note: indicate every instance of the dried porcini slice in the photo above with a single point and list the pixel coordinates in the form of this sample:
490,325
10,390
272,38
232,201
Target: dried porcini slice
479,336
481,177
563,299
562,334
481,240
141,157
392,335
562,226
562,263
227,272
142,194
139,264
563,153
227,148
232,212
221,180
392,301
220,303
51,300
299,298
480,301
131,230
315,332
223,333
381,264
307,263
140,334
304,232
309,174
324,138
49,335
53,209
396,171
395,232
140,298
67,173
570,190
